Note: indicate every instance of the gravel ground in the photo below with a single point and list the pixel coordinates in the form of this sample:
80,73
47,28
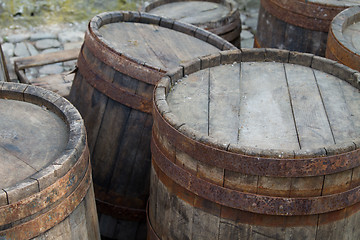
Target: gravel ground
43,39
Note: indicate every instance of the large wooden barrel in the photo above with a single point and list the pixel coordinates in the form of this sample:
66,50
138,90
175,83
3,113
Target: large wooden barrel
259,144
123,56
343,43
221,17
297,25
45,174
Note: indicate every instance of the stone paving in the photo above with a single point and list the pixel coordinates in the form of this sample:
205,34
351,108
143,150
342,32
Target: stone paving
45,39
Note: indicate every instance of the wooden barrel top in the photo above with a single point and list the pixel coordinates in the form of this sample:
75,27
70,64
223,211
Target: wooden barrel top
270,107
194,12
31,138
39,130
152,41
344,38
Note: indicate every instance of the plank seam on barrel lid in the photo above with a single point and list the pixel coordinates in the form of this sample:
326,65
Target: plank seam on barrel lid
263,204
302,14
248,164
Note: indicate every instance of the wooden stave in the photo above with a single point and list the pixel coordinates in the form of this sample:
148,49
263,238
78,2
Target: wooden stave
26,208
338,48
183,193
145,75
228,25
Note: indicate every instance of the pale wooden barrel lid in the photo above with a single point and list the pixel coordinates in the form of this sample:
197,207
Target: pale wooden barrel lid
152,41
266,103
346,29
342,3
200,13
41,134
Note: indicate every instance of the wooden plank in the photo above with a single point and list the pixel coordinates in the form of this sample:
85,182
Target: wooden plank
139,178
266,119
153,198
310,116
126,161
163,211
18,128
206,222
189,101
144,44
92,224
46,58
111,132
181,226
107,226
331,230
224,90
58,83
124,37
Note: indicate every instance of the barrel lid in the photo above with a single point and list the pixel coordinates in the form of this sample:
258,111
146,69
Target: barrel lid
152,41
342,3
41,134
268,103
199,13
346,29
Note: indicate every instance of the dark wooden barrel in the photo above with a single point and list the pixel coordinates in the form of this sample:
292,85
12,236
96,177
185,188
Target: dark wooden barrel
259,144
45,174
343,43
123,56
221,17
297,25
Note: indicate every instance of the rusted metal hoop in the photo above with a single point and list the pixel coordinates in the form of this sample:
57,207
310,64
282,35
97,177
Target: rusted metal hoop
303,14
114,92
253,165
249,201
47,220
50,195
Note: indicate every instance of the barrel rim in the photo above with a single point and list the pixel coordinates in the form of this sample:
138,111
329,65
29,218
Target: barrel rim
74,148
232,16
309,15
139,17
332,153
340,22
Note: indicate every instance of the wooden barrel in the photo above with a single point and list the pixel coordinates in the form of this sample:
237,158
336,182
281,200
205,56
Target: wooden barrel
259,144
343,43
297,25
123,56
221,17
45,174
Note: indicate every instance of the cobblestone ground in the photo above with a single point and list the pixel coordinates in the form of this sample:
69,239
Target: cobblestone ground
44,39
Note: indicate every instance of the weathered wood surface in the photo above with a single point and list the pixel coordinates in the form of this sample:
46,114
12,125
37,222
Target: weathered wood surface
219,17
297,25
125,54
344,38
45,176
272,106
4,75
268,105
59,83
